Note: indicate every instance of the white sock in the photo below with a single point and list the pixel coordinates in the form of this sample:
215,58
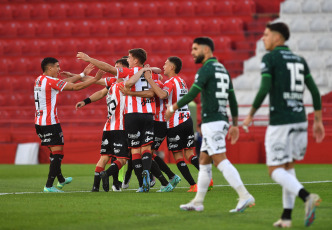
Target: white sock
233,178
288,198
287,181
203,181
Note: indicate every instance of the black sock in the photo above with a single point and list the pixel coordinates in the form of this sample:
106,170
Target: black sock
286,214
138,169
60,177
112,170
96,181
116,178
163,167
157,173
182,166
129,171
146,160
303,194
52,172
194,161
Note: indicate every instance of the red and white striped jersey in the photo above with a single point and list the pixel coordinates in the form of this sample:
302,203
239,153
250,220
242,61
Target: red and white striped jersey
109,81
46,91
138,104
160,105
115,105
176,88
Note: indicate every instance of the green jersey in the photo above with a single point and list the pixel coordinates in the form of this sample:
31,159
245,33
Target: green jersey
288,75
215,85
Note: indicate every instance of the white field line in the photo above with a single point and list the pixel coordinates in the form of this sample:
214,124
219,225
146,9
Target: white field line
260,184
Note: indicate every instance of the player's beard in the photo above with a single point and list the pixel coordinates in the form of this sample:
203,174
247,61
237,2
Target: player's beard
199,58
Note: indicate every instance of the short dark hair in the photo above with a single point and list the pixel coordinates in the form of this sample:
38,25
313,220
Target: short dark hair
177,62
46,61
138,53
279,27
123,62
205,41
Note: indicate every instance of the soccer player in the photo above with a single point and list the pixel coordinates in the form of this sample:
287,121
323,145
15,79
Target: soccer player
179,129
139,111
215,86
46,89
284,76
113,129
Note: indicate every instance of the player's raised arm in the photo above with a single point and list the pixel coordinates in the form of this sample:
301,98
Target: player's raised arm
83,85
134,78
99,64
72,78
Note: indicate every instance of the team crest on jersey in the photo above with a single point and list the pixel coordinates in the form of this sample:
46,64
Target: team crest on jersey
120,70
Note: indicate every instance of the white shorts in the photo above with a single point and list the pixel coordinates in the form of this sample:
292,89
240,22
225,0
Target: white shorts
214,134
285,143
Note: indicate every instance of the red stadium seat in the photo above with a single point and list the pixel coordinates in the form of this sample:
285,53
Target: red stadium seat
82,28
212,26
72,64
88,46
118,27
121,46
193,27
63,28
155,61
22,11
27,29
9,29
167,8
99,28
186,8
33,66
244,7
58,11
76,10
40,11
149,9
144,43
69,46
164,48
105,46
13,47
188,63
6,65
45,29
155,26
6,84
224,7
94,10
23,83
234,25
131,9
222,44
205,8
6,11
136,27
182,45
174,26
112,10
50,47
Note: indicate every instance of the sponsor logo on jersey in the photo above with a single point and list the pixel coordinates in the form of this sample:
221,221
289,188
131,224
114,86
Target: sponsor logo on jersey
133,143
191,136
105,142
220,148
117,144
149,133
190,143
182,116
48,134
148,139
147,100
60,84
116,150
172,146
120,70
47,140
174,138
138,166
159,139
145,157
157,144
134,136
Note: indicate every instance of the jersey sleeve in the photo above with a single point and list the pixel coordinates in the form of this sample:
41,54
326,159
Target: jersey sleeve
168,87
266,65
124,72
201,78
109,81
57,84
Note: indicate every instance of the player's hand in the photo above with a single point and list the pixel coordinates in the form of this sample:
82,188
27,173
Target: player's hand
79,105
147,73
233,134
124,90
87,70
318,131
246,123
99,74
83,56
66,74
168,113
146,66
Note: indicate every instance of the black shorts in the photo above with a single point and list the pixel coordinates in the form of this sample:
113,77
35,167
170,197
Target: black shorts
114,143
50,135
139,128
181,136
160,131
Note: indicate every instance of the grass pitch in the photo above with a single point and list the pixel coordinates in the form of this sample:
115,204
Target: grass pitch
23,205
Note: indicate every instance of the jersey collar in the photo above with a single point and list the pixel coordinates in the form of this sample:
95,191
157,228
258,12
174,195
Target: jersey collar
281,48
214,59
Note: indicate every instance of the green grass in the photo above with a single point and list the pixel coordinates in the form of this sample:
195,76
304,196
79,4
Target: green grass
130,210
